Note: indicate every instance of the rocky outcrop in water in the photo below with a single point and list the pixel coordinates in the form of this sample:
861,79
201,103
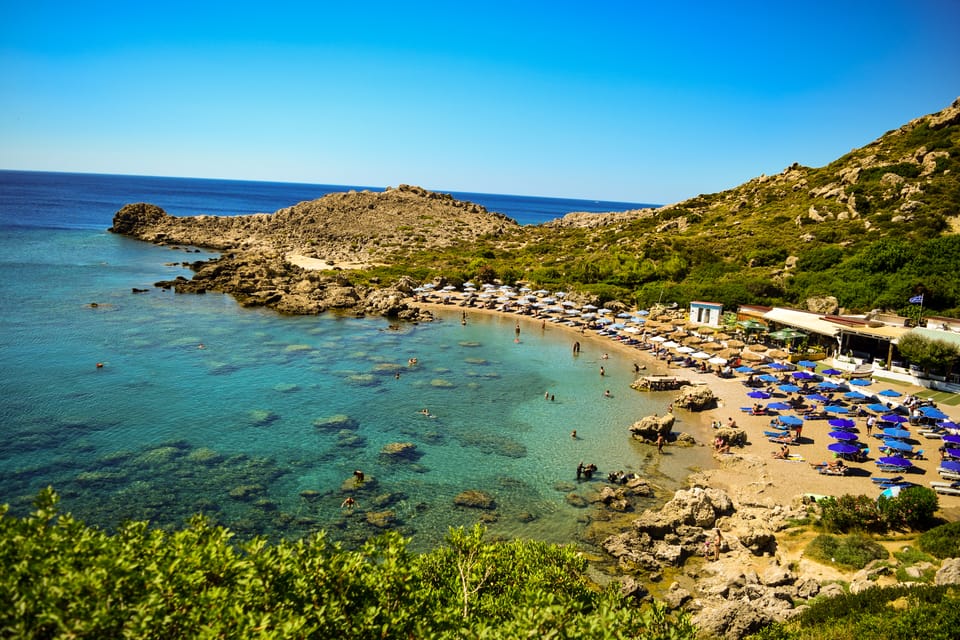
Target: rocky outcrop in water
264,255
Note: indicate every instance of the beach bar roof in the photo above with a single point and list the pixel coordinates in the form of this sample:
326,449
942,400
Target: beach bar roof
812,322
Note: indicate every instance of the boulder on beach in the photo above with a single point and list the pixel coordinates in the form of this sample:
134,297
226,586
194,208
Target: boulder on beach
648,429
696,398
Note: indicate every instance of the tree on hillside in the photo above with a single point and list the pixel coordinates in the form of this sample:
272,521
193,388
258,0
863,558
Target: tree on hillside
929,354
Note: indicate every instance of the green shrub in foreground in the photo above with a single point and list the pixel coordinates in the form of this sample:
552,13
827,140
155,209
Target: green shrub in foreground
853,550
64,579
880,613
942,541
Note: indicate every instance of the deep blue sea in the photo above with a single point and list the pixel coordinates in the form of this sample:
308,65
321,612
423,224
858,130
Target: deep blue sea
261,427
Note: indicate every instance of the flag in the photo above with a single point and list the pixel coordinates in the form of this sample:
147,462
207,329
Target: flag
916,299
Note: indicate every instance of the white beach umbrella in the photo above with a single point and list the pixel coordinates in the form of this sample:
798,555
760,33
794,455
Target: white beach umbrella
658,339
590,307
670,344
717,360
685,349
700,355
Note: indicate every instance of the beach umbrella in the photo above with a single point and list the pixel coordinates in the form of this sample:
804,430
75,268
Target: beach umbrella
946,424
776,353
700,355
658,339
721,336
744,369
895,461
685,349
752,325
951,439
950,466
751,355
802,375
736,344
826,385
670,344
953,453
789,388
854,395
810,364
842,435
604,310
832,408
778,406
791,421
894,490
893,417
933,412
896,433
766,377
779,366
816,397
890,393
876,407
717,360
861,382
624,314
787,333
897,445
841,423
831,372
759,395
843,448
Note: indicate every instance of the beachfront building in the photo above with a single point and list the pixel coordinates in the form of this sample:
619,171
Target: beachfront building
861,343
706,313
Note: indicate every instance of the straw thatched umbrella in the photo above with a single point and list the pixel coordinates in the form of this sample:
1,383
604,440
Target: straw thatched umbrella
722,336
759,348
778,354
692,340
736,344
729,354
712,346
753,356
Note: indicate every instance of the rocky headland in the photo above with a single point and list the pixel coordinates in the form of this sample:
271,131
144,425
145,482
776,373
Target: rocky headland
292,260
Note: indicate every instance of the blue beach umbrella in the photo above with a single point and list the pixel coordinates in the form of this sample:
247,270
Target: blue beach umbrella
807,363
842,435
951,466
789,388
816,397
841,423
766,377
802,375
792,421
890,393
744,369
896,433
831,372
832,408
894,417
854,395
951,439
826,385
946,424
759,395
778,366
953,453
898,445
933,412
778,406
876,407
843,448
895,461
861,382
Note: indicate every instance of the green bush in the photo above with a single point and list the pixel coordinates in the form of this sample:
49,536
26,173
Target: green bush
63,579
942,541
913,507
853,550
851,513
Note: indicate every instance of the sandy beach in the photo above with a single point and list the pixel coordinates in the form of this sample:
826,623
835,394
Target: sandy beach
750,470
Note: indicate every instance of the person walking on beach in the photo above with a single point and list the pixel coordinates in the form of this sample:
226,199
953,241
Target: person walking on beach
660,442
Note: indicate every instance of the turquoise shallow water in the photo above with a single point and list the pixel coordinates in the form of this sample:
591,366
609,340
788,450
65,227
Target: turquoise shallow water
166,429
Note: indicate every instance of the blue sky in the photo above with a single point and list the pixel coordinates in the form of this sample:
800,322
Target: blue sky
631,101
